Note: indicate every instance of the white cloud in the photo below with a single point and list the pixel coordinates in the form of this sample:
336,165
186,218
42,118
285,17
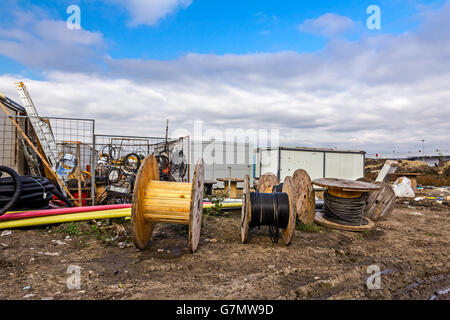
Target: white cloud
37,41
380,93
328,25
150,12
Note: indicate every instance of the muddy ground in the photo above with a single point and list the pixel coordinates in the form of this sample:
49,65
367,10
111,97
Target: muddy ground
411,248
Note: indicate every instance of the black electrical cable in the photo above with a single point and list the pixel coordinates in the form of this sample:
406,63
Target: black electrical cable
270,209
17,189
346,211
132,166
35,193
278,188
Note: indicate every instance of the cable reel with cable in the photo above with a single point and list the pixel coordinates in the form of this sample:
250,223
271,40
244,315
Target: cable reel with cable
275,210
344,204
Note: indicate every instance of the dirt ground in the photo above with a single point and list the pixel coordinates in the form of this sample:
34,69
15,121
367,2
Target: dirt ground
430,175
411,249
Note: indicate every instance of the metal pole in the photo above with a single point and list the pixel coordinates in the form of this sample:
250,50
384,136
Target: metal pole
423,150
229,182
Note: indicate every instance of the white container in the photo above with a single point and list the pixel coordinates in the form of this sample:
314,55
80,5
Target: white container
317,162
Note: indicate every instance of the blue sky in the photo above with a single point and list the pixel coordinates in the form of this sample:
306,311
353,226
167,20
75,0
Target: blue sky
224,27
313,67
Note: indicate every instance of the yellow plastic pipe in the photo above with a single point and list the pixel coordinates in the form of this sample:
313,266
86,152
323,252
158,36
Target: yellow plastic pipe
106,214
94,215
225,205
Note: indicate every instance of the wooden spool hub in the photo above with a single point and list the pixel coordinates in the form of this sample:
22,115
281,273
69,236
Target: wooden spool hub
305,200
266,182
349,189
246,213
157,201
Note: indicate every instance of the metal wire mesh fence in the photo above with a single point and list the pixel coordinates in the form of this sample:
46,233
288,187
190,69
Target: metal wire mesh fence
95,168
75,141
118,159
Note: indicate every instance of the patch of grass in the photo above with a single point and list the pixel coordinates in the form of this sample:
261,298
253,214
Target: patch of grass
72,228
311,228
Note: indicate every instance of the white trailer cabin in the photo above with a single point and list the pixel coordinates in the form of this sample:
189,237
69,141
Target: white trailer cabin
317,162
222,159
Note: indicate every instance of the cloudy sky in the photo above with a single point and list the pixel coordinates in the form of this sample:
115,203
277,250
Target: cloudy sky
312,69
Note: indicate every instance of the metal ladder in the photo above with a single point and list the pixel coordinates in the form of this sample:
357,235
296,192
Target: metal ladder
42,129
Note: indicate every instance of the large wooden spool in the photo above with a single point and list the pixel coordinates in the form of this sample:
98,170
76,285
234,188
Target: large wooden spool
246,213
157,201
266,182
305,200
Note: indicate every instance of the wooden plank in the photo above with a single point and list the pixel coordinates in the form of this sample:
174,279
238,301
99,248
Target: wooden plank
161,208
163,194
166,216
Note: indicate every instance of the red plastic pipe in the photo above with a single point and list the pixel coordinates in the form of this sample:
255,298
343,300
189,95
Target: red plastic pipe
52,212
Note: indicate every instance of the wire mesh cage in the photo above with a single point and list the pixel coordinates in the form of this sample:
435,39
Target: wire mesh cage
75,142
118,159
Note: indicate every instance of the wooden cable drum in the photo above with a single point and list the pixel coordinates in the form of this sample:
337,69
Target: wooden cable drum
247,216
157,201
266,182
344,204
305,200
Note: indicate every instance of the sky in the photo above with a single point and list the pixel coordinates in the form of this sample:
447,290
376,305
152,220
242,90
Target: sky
314,70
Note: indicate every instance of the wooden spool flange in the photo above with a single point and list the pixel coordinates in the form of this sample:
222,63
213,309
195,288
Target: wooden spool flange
246,213
157,201
305,200
380,203
349,189
266,182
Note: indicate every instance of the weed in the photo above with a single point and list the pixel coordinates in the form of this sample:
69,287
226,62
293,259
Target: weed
311,228
217,203
72,228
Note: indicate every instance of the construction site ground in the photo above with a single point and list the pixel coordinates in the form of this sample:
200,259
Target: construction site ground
411,249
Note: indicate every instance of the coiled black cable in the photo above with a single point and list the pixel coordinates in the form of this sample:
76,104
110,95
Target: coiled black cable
270,209
16,188
277,188
346,211
35,193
